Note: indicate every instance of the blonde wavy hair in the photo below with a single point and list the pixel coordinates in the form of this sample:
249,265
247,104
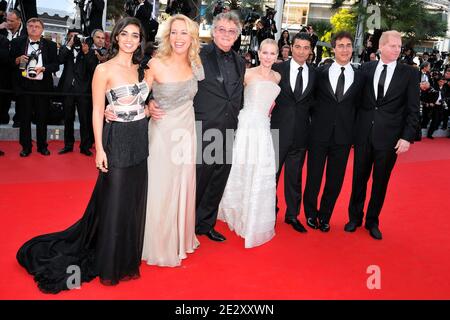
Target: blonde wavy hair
164,48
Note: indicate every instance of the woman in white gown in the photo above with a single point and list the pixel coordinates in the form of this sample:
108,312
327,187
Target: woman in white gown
248,202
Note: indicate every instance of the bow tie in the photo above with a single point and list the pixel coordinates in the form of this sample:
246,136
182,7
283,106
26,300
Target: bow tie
34,42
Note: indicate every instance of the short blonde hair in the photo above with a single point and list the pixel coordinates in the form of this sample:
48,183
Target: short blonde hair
268,41
164,48
391,33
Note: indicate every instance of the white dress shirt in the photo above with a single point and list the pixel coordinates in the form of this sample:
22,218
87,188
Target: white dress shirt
335,71
389,73
15,34
294,72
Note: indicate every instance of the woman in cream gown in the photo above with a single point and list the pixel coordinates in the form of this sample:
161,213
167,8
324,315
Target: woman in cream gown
170,221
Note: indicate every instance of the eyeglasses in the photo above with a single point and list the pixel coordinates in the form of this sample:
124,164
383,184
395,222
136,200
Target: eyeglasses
230,32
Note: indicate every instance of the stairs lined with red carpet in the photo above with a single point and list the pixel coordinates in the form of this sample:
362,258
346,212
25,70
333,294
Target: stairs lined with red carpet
45,194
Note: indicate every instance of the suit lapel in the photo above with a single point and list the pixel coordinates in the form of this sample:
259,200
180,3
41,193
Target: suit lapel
326,79
353,85
371,77
396,78
44,49
239,66
287,79
240,70
310,83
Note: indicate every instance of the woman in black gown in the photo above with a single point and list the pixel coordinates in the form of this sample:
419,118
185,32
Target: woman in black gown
107,240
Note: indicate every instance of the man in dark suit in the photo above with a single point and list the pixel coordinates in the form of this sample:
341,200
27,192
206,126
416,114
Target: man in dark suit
94,14
27,9
4,81
441,94
13,28
76,79
217,105
34,59
385,126
143,12
338,92
291,120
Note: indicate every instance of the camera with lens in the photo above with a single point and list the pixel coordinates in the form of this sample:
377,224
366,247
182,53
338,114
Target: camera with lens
445,102
33,59
78,40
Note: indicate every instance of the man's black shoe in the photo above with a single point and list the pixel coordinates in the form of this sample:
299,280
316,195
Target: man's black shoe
324,226
374,232
25,153
312,223
215,236
44,151
296,225
86,152
351,226
65,150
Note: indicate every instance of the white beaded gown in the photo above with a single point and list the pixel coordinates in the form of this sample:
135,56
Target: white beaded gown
248,202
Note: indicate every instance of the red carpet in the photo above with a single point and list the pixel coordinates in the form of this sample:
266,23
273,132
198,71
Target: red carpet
45,194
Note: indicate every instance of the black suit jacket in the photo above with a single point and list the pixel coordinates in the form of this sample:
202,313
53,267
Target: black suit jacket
396,116
213,105
49,61
291,114
144,14
328,113
79,73
96,16
4,59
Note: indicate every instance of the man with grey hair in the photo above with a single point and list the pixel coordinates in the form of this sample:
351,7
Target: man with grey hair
385,126
217,105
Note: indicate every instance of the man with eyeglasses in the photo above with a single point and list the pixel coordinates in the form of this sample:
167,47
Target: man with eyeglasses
217,105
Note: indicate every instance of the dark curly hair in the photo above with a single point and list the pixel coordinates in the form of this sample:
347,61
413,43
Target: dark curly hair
118,28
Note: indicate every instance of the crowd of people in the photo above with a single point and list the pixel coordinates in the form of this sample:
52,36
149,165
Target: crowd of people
30,63
217,139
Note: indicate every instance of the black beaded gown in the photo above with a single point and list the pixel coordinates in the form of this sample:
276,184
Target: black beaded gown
107,241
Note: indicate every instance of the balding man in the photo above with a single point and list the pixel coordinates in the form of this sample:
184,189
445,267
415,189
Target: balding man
386,125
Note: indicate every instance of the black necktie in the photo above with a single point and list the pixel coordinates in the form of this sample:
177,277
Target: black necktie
34,42
299,83
380,94
340,85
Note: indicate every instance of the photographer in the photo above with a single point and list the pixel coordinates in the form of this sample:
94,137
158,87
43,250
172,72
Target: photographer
14,28
98,49
439,104
218,8
75,80
427,93
94,14
34,59
143,12
178,6
269,25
